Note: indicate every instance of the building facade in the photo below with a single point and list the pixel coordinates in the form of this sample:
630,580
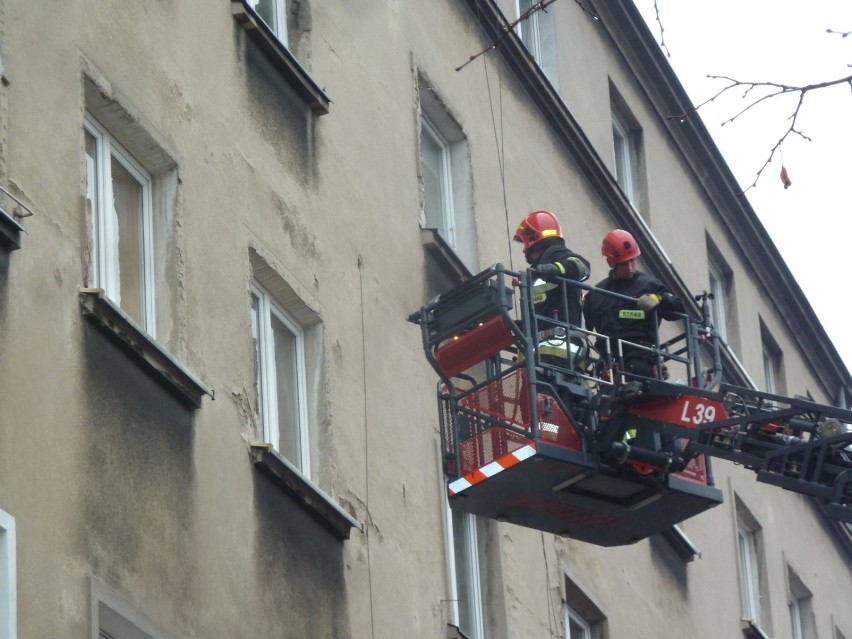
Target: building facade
216,421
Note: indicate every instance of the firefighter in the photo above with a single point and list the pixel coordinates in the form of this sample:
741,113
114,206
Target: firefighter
634,321
549,260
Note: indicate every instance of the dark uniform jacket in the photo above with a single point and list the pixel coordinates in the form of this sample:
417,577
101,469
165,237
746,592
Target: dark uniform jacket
570,265
624,320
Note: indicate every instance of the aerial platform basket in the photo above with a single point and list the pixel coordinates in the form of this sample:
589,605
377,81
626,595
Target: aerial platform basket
549,481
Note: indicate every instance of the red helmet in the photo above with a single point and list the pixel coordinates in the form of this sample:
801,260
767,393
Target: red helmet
537,226
619,246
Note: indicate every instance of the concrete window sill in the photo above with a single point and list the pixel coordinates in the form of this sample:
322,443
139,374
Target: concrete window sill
280,57
142,348
302,490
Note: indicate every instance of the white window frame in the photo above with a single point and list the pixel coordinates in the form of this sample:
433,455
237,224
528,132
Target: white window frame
457,223
795,618
267,307
538,33
572,616
107,269
8,578
770,369
719,303
111,617
800,606
279,19
749,572
472,574
446,225
624,155
529,29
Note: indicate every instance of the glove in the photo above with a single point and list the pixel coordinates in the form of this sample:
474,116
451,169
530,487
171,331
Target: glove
546,272
649,302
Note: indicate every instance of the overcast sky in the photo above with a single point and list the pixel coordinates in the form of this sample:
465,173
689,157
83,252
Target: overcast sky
783,41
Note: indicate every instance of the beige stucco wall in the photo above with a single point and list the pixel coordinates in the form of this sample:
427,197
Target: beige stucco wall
110,479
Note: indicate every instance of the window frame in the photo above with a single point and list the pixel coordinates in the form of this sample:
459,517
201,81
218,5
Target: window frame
107,263
267,374
281,57
624,156
456,230
443,172
470,528
749,572
719,303
8,577
773,362
530,28
280,26
751,565
113,617
538,33
800,606
572,616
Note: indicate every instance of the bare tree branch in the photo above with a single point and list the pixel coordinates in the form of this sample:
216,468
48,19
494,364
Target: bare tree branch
842,34
772,90
538,6
662,30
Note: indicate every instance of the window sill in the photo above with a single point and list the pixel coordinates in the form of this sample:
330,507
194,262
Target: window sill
314,500
142,348
680,543
444,254
10,232
751,630
281,57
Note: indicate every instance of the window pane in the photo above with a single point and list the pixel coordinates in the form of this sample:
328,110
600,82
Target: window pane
91,174
795,619
575,630
718,303
464,550
286,362
258,349
273,14
127,212
432,157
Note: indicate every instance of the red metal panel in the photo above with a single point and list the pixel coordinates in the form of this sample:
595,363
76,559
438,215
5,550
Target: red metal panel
686,411
475,346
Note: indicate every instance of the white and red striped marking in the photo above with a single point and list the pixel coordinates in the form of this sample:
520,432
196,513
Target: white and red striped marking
491,469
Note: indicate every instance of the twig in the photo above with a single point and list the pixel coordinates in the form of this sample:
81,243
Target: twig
774,90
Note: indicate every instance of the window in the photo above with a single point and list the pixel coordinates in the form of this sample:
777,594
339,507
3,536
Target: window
274,14
625,155
10,209
749,552
465,575
132,280
281,384
8,581
576,627
437,182
720,283
446,183
582,617
538,33
772,363
799,602
114,618
627,151
281,30
119,200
